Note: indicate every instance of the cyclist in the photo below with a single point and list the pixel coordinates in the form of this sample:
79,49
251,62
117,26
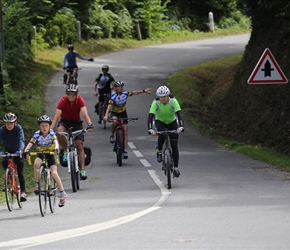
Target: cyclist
104,83
164,108
12,138
117,103
67,115
45,140
70,62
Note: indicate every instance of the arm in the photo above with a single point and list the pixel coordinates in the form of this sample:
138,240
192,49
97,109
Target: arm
150,121
85,115
21,144
28,147
137,92
64,61
179,115
82,57
95,88
105,118
56,118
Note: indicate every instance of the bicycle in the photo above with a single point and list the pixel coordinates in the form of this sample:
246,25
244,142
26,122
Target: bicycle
47,187
12,187
72,76
104,108
167,160
119,146
72,156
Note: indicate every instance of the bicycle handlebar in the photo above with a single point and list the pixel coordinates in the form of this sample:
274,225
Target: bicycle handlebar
6,154
34,153
73,133
166,132
128,119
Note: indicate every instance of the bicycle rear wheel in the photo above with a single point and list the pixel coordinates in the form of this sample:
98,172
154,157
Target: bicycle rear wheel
9,193
42,189
168,167
52,187
73,174
120,147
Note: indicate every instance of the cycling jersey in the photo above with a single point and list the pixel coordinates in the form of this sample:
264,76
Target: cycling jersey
164,112
71,112
119,101
71,59
13,140
104,81
44,143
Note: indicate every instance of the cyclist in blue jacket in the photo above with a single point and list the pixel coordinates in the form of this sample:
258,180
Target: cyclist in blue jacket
12,138
70,61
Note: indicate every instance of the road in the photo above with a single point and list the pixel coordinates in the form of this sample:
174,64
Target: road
222,199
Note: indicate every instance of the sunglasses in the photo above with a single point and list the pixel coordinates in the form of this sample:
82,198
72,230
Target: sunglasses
105,69
71,94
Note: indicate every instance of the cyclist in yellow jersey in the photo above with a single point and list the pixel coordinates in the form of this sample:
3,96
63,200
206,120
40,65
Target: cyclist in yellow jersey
165,109
117,103
45,140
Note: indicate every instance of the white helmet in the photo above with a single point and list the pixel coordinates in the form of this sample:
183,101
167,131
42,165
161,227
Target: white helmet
163,91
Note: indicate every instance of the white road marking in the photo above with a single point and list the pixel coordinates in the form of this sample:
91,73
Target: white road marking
131,145
145,163
137,153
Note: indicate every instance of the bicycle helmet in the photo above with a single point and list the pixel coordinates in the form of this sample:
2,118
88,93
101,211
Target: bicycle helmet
9,117
162,91
105,67
72,88
70,46
118,83
44,118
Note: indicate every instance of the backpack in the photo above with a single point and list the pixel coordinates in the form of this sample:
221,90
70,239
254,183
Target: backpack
170,103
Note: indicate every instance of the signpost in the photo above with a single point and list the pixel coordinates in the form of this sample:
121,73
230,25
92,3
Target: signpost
267,71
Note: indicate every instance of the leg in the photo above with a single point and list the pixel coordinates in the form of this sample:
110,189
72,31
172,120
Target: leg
61,139
56,177
68,77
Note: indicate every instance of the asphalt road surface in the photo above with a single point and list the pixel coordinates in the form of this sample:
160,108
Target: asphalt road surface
222,199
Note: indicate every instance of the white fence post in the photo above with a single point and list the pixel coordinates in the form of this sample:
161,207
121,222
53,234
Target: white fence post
79,30
211,21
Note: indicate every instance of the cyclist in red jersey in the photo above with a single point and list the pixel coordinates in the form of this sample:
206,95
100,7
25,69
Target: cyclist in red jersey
67,115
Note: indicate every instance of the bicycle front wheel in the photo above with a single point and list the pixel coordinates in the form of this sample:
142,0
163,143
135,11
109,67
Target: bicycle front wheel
52,187
17,192
168,167
73,174
120,147
9,193
42,189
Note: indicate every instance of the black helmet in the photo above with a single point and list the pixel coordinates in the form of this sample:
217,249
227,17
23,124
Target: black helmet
105,67
44,118
9,117
70,46
72,88
118,83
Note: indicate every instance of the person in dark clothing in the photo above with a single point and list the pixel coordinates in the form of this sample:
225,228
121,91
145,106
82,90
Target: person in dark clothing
12,138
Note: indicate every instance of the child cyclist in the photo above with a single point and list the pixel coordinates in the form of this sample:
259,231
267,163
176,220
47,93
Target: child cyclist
45,140
12,137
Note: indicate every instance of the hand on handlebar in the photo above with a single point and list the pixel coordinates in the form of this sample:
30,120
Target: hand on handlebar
151,132
179,130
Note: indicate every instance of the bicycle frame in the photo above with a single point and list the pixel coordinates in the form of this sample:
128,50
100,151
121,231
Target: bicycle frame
11,183
119,138
167,160
72,155
47,187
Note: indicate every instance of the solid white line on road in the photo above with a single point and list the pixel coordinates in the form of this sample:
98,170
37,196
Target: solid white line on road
137,153
145,163
77,232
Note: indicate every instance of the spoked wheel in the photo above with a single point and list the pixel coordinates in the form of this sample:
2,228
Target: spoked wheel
120,147
17,192
73,173
168,168
42,190
103,110
52,187
9,193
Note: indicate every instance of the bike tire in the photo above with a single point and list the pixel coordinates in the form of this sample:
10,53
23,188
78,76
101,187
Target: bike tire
103,112
9,193
18,193
42,190
52,187
120,147
73,173
168,167
78,175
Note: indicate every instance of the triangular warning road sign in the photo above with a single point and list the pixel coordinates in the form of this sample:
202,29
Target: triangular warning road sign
267,71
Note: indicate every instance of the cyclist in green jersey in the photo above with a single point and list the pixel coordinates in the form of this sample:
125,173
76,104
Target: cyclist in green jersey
165,109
